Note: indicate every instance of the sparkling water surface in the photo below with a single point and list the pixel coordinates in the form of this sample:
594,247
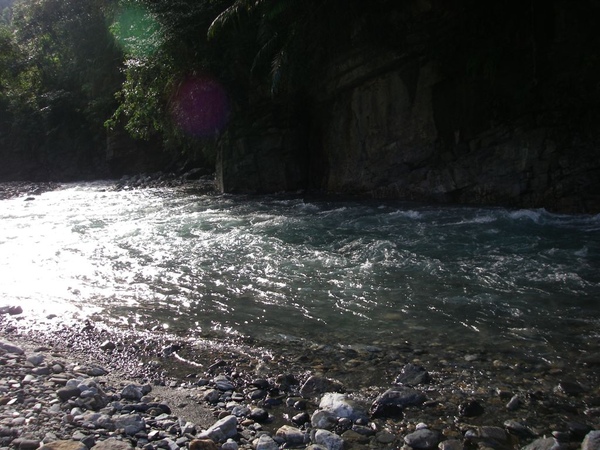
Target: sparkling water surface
283,269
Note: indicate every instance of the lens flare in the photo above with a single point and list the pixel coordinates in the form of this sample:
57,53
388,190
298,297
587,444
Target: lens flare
200,106
137,31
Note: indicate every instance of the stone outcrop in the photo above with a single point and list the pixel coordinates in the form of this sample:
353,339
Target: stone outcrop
456,110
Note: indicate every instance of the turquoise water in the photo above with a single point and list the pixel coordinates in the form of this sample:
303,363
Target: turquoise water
281,269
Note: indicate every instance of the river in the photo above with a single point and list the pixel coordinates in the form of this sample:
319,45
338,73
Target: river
284,269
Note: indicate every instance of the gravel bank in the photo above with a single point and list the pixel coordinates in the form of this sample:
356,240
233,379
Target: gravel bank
84,385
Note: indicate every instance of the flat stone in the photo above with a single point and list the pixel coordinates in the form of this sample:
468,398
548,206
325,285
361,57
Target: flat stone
10,348
423,439
64,445
329,440
393,401
317,385
113,444
291,435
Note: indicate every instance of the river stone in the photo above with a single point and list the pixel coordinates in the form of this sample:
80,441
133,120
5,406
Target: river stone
36,359
266,442
412,375
11,310
470,408
514,403
63,445
342,406
202,444
221,430
258,415
132,392
393,401
291,435
591,441
10,348
352,438
323,419
514,427
492,437
113,444
67,392
130,423
329,440
451,444
544,444
423,439
211,396
317,385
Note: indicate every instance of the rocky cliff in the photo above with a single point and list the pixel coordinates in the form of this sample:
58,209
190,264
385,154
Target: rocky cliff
463,102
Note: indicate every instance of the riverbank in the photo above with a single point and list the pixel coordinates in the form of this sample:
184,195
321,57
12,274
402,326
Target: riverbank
152,389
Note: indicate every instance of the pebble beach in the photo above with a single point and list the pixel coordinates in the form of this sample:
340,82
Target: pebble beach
85,386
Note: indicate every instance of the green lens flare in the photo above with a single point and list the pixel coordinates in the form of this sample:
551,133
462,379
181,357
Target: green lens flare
137,31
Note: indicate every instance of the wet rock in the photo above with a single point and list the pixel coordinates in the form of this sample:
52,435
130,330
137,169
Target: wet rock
591,441
352,438
413,375
514,403
317,385
423,439
451,444
570,388
258,415
342,406
487,436
329,440
323,419
471,408
392,402
578,430
518,429
301,418
544,444
385,437
291,435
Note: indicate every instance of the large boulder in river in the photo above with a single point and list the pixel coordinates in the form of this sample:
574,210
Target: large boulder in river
393,401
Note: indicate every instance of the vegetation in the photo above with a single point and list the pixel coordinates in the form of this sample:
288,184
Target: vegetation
72,71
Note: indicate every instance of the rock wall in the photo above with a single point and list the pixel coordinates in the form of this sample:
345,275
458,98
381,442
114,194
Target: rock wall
459,109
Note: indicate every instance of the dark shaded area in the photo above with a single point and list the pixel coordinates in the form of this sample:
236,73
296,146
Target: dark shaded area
449,101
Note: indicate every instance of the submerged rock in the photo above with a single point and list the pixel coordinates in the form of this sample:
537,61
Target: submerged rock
392,402
413,375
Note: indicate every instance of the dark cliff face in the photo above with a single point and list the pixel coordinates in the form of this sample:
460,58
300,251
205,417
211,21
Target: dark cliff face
454,101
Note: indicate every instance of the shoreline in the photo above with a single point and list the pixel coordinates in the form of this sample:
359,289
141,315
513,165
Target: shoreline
470,401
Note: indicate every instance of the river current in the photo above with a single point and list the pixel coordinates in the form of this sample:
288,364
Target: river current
283,269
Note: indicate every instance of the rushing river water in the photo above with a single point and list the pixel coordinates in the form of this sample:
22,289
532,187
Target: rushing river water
284,269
